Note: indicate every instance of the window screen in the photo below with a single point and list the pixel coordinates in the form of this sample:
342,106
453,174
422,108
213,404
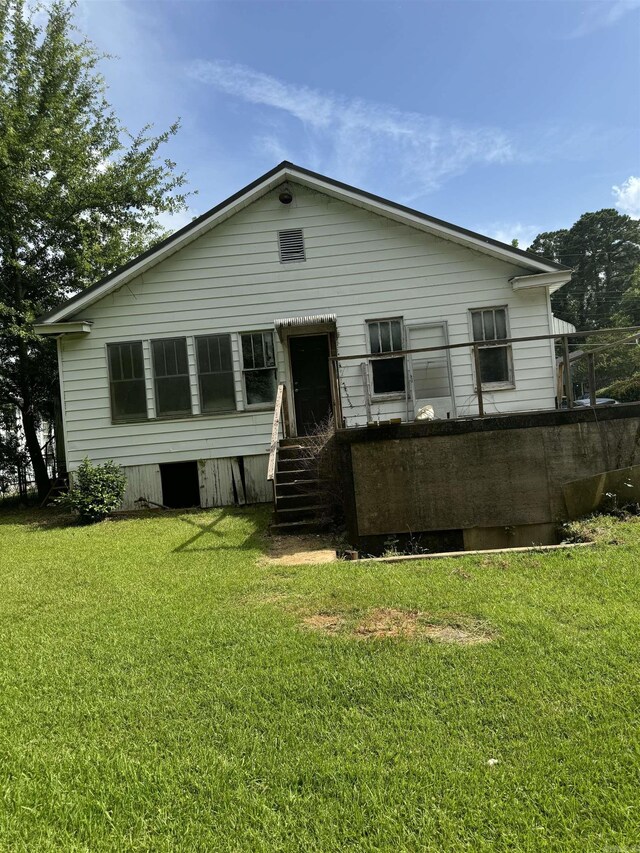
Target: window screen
490,326
259,368
385,336
126,381
215,373
171,376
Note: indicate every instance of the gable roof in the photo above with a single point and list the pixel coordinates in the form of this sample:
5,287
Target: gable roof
287,171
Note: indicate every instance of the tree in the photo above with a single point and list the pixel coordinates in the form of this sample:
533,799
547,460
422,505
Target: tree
604,250
79,195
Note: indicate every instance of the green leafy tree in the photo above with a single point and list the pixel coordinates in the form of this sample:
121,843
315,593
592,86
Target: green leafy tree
603,248
79,195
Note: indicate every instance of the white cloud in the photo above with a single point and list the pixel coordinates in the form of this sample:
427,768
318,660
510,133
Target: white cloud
628,196
360,138
599,14
506,232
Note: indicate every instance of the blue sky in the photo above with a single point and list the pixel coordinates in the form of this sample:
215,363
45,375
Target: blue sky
508,118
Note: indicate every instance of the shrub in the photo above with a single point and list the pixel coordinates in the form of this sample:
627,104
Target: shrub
97,490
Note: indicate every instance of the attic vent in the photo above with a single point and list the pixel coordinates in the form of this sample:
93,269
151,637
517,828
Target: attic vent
291,246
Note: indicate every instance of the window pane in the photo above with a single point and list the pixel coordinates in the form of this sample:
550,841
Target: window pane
385,337
260,386
247,351
137,359
374,337
476,318
180,348
202,353
489,331
396,334
115,364
128,399
494,364
268,349
501,323
214,354
258,351
170,357
173,395
388,375
217,392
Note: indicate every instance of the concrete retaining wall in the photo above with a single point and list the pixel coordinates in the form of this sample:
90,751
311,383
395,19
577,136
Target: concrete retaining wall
498,479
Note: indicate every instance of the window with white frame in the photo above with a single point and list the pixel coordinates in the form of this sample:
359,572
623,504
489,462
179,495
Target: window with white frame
215,373
259,368
388,374
490,326
171,377
126,381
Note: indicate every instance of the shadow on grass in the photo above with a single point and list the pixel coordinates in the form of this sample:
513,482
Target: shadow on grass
209,538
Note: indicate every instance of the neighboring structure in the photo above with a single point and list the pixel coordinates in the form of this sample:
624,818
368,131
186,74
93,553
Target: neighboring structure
176,357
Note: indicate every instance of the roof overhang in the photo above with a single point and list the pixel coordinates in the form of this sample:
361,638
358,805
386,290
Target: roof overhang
312,180
552,280
79,327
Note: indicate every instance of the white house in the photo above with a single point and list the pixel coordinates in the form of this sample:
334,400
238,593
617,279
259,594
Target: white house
177,356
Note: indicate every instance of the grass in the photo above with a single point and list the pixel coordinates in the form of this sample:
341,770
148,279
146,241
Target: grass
158,692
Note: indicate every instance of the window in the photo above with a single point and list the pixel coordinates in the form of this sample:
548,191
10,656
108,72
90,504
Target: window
291,246
490,325
387,373
171,376
215,373
126,381
258,368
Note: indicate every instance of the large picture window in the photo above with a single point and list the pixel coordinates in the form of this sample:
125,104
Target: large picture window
215,373
385,336
126,381
259,368
490,327
171,377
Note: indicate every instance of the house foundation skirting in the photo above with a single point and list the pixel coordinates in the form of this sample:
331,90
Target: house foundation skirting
230,481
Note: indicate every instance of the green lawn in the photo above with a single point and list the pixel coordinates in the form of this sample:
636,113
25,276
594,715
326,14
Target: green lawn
158,692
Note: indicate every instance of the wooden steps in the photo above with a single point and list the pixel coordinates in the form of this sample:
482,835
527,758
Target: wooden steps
299,504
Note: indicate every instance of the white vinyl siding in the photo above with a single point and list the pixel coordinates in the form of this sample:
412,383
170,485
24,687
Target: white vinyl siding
358,266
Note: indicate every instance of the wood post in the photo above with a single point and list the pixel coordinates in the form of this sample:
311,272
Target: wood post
566,364
591,366
476,361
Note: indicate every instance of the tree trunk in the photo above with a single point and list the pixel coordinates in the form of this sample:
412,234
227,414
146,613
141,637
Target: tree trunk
35,454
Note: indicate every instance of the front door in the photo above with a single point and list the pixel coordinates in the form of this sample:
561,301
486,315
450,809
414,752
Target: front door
311,385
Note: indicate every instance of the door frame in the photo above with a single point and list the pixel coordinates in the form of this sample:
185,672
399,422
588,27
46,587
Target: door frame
310,332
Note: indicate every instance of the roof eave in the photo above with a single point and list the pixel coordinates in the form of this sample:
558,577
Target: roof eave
552,280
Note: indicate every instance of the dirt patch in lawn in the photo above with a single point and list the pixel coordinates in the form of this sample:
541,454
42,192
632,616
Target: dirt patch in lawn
381,623
328,623
300,550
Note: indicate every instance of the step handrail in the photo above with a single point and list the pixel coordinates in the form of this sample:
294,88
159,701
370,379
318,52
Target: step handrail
280,418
